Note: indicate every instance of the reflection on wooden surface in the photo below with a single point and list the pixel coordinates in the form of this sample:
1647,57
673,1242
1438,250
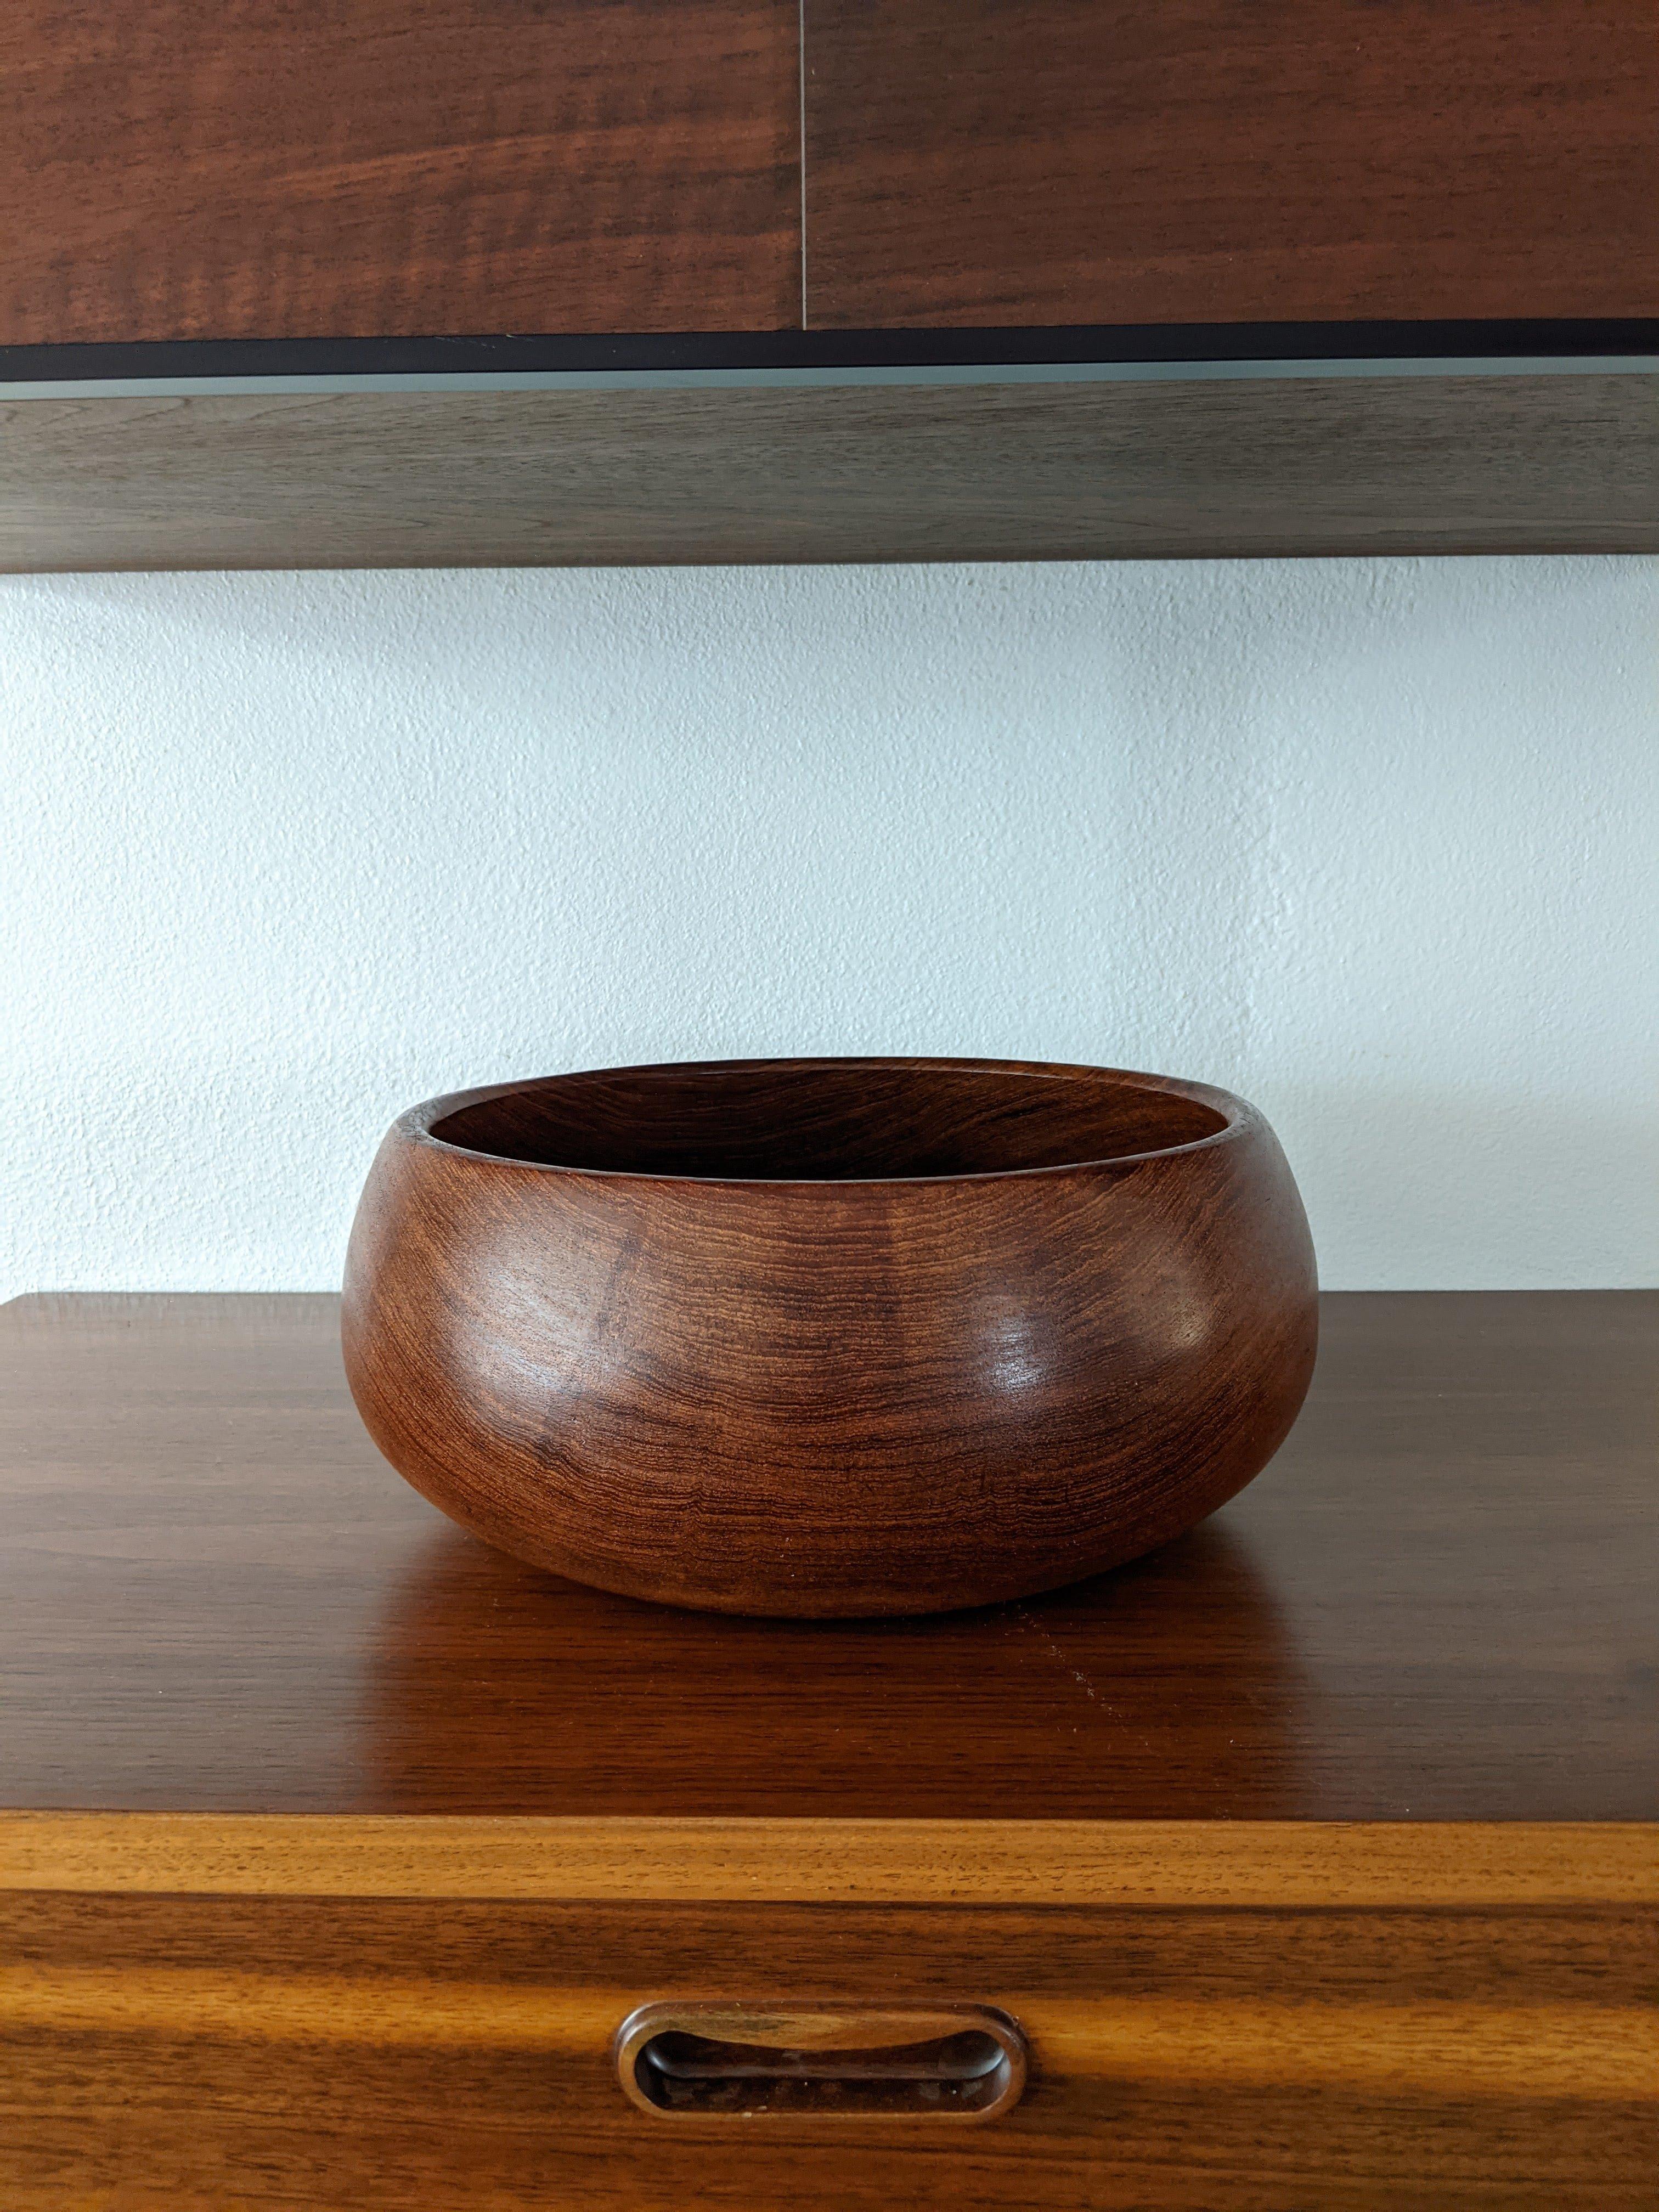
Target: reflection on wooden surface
1172,1678
1436,1603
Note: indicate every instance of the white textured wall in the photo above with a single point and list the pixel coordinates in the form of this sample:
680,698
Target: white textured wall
1374,842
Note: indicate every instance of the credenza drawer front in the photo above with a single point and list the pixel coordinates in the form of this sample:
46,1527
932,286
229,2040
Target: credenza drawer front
209,2054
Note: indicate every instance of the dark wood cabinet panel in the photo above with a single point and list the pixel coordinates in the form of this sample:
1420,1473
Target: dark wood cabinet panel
246,248
250,168
1080,162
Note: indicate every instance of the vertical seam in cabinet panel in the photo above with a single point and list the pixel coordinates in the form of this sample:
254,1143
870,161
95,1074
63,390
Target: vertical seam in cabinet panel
800,141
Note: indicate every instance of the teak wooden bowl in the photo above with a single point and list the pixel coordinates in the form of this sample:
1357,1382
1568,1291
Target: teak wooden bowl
831,1337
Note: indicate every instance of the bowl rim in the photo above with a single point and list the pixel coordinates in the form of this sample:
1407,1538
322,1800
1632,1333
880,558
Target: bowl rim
1239,1119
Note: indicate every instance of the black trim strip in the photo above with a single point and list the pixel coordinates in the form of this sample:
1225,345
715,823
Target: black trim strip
570,354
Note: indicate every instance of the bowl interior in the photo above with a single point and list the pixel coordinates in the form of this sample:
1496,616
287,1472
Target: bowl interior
827,1120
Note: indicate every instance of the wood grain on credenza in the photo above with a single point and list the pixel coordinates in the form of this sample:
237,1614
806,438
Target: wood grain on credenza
1436,1603
302,2052
1316,1858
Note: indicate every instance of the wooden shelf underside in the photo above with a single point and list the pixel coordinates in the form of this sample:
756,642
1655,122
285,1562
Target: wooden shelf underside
1479,462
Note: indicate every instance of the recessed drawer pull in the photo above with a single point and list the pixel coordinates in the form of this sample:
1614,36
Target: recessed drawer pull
706,2061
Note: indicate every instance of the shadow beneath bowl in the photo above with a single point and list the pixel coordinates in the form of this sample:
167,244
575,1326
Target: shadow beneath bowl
1168,1688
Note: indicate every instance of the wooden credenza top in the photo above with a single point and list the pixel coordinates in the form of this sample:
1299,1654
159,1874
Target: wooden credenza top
1437,1604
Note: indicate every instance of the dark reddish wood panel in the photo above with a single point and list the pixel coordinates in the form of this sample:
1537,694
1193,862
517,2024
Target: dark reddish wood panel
246,168
1436,1602
1023,161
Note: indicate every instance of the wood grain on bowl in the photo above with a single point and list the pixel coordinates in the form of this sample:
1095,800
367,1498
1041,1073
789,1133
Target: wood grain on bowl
831,1337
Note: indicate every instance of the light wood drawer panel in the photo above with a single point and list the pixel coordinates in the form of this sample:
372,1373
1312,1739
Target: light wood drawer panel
300,2053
